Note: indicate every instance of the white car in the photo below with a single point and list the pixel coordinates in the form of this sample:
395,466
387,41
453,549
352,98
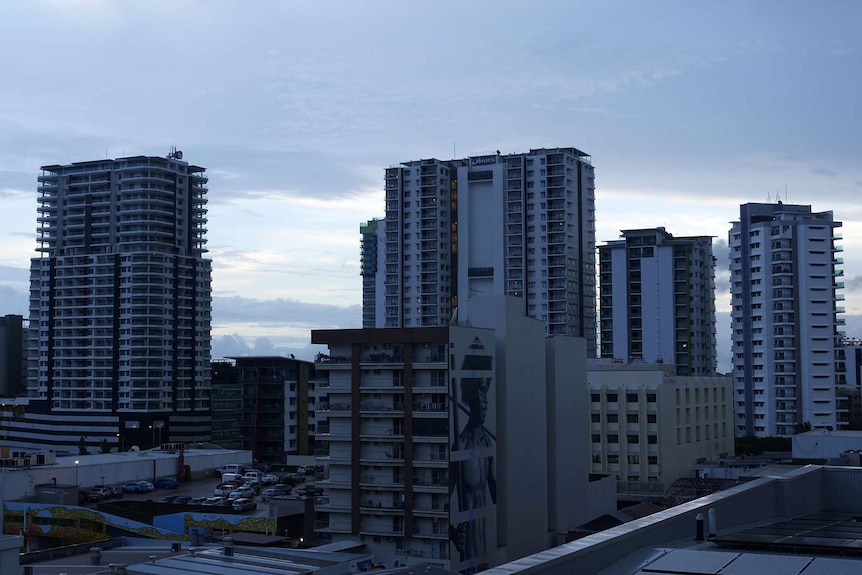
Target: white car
269,479
241,492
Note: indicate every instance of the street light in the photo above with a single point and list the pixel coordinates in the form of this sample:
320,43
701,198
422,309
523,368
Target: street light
76,472
120,442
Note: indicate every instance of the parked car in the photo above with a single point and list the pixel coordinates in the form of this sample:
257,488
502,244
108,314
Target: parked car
269,479
242,492
213,501
166,483
262,466
271,492
138,487
103,492
224,489
170,498
91,496
84,497
243,504
117,490
196,501
183,499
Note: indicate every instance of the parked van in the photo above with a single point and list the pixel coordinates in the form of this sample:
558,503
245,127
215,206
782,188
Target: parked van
232,468
252,476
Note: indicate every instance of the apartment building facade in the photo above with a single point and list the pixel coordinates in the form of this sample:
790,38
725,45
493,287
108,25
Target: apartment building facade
657,300
120,302
521,225
395,422
279,400
785,289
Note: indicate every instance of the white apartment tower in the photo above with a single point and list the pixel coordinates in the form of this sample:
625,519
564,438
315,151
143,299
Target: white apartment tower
657,300
120,300
521,225
784,292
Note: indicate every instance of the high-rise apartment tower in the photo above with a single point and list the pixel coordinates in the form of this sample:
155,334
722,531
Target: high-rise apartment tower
498,224
120,300
657,301
784,292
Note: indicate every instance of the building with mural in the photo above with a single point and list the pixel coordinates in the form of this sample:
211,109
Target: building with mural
460,446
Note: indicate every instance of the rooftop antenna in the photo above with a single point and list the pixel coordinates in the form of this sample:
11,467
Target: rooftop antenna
454,153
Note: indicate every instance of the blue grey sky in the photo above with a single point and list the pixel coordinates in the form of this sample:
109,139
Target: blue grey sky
688,109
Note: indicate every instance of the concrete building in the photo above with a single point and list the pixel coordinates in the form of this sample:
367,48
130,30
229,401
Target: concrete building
521,225
13,347
658,300
370,250
120,301
848,383
433,442
784,296
650,426
279,397
226,404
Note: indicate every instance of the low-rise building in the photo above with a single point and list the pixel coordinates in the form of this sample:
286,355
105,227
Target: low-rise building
649,426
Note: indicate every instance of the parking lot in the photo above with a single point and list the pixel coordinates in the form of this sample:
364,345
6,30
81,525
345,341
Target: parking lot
204,488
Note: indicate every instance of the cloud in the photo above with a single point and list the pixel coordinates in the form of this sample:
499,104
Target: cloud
853,284
285,312
235,345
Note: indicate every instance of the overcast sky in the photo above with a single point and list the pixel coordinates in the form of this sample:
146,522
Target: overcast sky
687,108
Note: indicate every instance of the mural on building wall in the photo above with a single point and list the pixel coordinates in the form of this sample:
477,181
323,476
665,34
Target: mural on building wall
73,524
81,524
472,479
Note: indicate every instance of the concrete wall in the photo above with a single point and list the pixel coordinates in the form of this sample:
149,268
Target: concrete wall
521,435
569,436
822,444
756,501
114,468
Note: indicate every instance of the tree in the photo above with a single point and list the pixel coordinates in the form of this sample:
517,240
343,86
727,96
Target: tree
82,446
105,447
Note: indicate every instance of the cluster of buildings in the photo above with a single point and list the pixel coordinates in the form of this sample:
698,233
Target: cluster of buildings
493,401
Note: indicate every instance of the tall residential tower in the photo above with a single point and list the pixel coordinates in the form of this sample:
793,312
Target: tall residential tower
658,300
120,301
499,224
784,292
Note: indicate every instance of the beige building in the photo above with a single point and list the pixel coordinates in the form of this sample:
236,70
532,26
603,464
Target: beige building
649,426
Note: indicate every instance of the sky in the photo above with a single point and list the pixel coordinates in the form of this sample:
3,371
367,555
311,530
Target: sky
687,108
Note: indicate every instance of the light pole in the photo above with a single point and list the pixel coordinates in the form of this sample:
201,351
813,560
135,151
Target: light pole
76,472
120,442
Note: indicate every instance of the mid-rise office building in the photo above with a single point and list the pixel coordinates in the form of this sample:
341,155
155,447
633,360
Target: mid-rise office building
658,300
785,318
521,225
649,426
13,344
279,399
226,405
371,239
120,302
